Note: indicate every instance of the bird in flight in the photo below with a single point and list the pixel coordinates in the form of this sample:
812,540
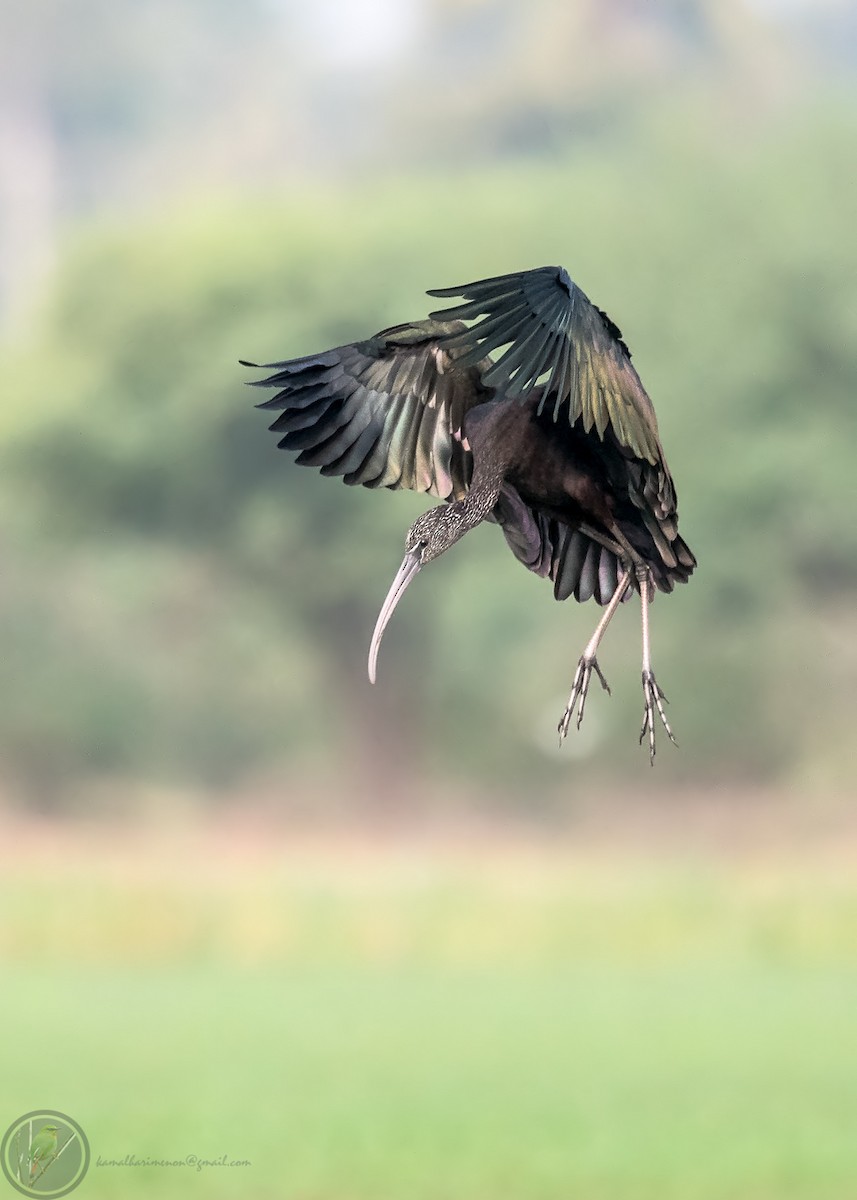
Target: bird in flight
518,405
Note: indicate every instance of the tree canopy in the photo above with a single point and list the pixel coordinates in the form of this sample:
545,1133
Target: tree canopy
202,606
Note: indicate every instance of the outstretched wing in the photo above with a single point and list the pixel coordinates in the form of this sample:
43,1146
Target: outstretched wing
579,565
554,333
386,412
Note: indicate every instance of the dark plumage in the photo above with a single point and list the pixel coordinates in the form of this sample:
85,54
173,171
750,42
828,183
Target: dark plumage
554,438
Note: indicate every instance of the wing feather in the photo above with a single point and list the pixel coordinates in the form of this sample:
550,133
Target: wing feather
386,412
579,565
551,329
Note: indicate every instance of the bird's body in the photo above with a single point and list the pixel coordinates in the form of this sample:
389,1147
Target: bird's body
556,441
42,1149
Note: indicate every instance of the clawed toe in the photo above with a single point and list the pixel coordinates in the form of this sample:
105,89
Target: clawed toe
653,699
579,690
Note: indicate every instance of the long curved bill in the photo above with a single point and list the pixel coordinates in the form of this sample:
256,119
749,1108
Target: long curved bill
406,572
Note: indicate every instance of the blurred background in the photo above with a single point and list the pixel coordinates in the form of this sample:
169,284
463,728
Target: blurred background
487,967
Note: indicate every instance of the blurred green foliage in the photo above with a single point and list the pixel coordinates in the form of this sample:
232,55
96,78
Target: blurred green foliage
180,602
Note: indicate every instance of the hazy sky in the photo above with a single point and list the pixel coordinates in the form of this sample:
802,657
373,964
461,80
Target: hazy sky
343,32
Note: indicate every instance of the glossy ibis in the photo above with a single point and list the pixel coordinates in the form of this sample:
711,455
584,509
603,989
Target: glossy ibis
554,439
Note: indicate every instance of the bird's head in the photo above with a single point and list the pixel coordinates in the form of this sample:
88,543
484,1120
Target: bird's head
435,531
429,536
50,1128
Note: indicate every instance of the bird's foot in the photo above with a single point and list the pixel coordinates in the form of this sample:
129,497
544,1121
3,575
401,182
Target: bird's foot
653,699
579,689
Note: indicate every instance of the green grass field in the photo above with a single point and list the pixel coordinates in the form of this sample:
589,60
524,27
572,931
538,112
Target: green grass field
379,1022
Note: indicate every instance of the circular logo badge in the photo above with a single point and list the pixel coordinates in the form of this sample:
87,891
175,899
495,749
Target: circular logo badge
44,1153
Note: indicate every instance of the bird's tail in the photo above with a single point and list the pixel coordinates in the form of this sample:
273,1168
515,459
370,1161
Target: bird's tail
680,570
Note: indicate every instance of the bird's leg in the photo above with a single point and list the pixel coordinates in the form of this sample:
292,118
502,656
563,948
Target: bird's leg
653,697
589,663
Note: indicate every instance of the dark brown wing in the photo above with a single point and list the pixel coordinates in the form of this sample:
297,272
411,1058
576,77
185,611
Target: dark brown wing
578,564
647,513
554,333
585,558
385,412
